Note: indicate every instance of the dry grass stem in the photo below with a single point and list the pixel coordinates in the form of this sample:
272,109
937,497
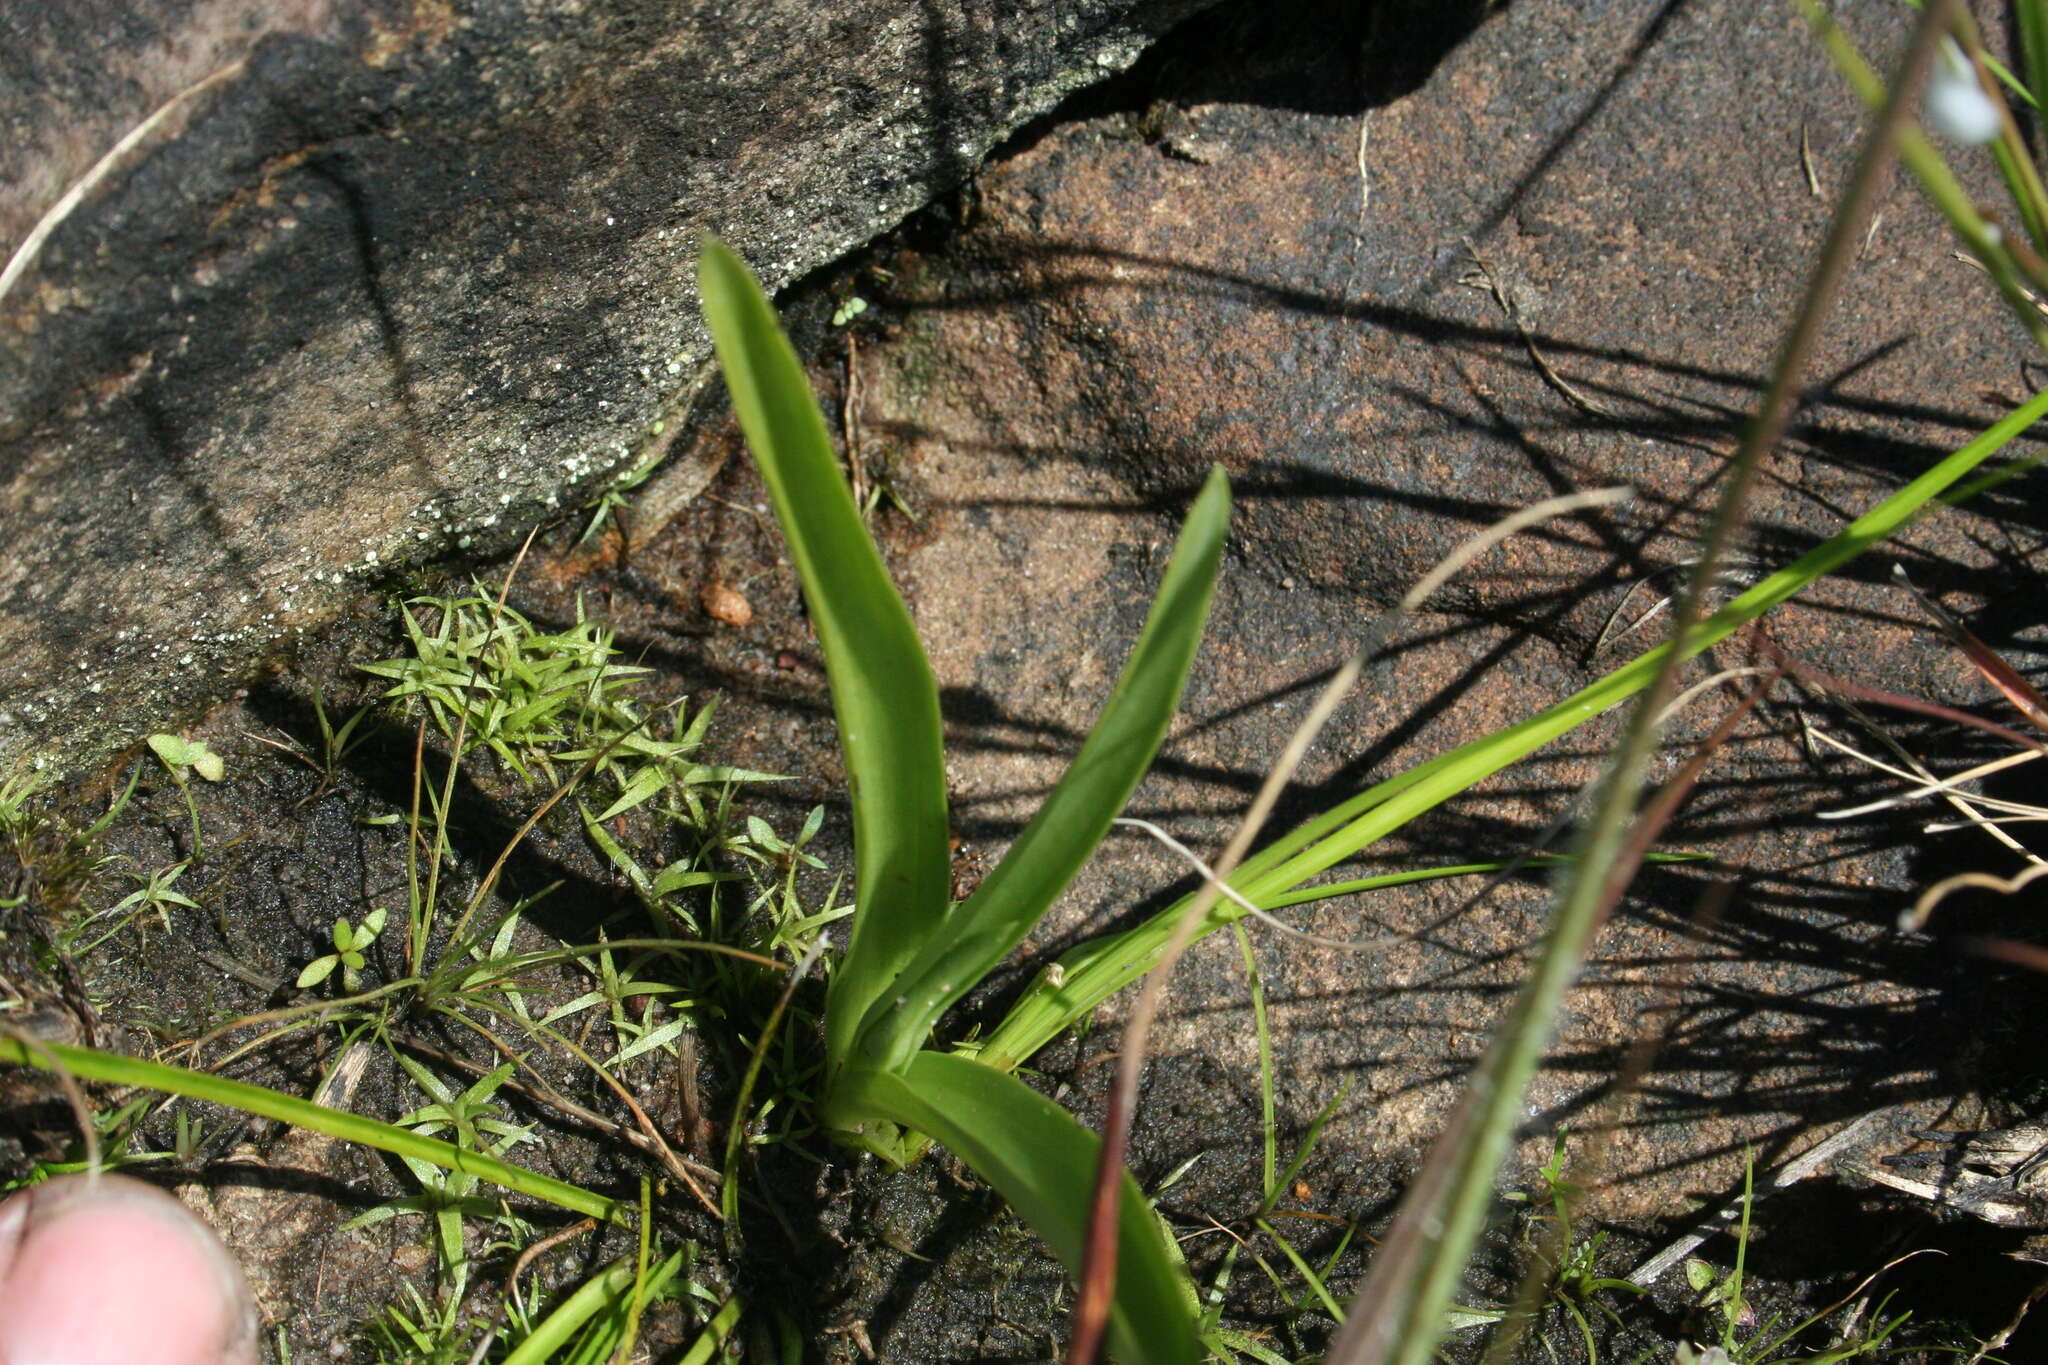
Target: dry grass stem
1237,898
32,245
1098,1276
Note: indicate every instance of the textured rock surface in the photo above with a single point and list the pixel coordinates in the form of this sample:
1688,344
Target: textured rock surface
388,279
1252,250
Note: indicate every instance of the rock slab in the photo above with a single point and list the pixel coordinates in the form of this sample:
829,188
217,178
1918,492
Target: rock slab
304,292
1558,258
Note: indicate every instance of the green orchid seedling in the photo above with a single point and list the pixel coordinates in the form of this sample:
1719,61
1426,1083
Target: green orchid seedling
179,755
349,944
913,952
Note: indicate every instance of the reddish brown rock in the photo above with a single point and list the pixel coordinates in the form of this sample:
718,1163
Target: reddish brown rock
1255,252
727,605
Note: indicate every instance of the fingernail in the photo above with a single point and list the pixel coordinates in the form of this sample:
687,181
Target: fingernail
107,1270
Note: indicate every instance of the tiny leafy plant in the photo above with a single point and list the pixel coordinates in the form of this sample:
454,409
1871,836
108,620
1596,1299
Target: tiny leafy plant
181,756
350,941
155,892
449,1197
1565,1263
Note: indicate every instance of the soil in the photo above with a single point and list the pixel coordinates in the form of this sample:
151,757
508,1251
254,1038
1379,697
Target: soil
1399,271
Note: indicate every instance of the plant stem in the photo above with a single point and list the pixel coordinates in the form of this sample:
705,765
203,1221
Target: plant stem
1399,1316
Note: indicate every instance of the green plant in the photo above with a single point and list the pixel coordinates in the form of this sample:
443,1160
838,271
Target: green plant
542,703
489,677
336,743
180,756
94,1065
490,680
56,860
422,1333
112,1144
614,497
155,892
350,940
449,1198
1313,1292
592,1324
1564,1265
913,952
1765,1343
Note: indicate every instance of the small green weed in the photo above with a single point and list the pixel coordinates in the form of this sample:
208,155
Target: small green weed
514,706
155,894
337,742
488,678
116,1142
55,861
182,756
451,1200
1563,1269
1745,1341
350,941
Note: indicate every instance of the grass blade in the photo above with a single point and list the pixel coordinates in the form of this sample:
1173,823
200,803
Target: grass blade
1071,823
882,690
609,1291
1399,1315
710,1343
1043,1162
1937,181
114,1069
2031,19
1096,970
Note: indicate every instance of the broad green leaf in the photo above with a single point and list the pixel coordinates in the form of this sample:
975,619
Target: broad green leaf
882,690
1060,838
1095,971
194,754
1043,1162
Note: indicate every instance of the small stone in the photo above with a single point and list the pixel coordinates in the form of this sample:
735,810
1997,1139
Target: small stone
727,604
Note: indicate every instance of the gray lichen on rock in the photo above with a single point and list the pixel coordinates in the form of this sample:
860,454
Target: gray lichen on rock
405,275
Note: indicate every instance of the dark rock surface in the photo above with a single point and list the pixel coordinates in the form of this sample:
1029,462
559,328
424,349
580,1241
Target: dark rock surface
385,280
